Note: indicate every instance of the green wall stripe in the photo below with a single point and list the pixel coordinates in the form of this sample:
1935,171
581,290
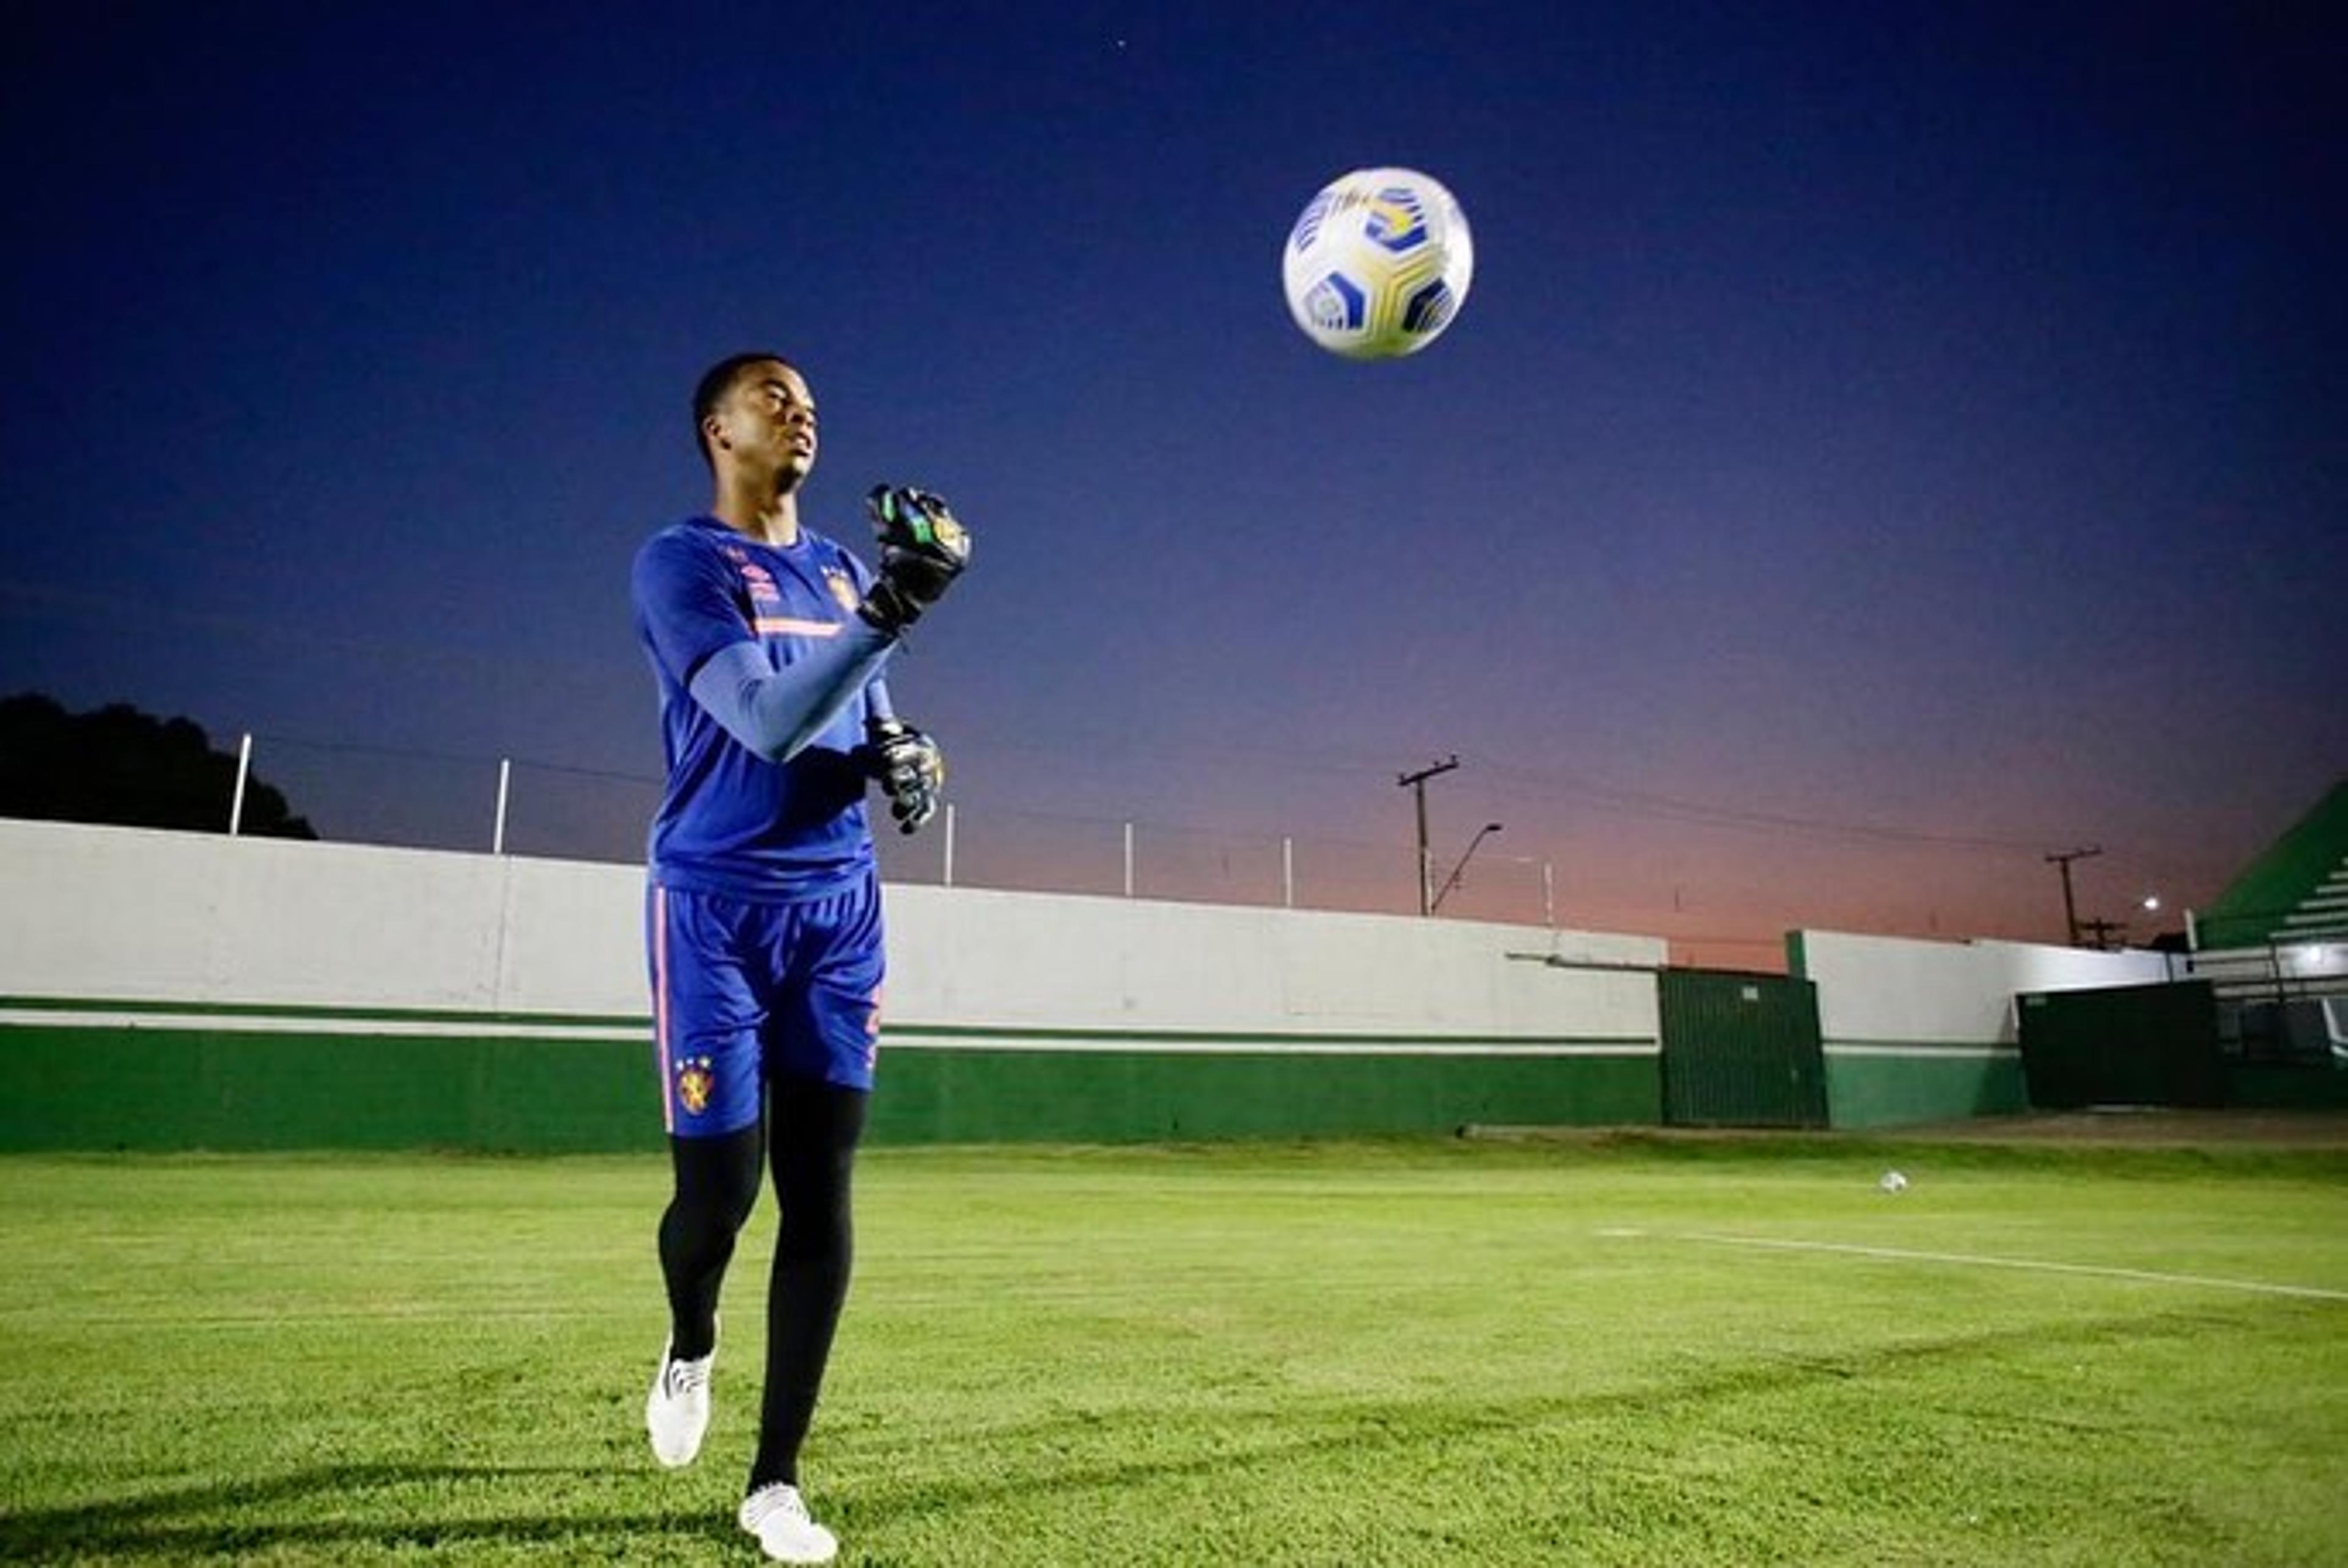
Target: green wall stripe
231,1087
1880,1090
989,1096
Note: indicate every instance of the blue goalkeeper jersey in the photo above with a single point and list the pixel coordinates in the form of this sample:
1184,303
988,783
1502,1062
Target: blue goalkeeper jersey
732,821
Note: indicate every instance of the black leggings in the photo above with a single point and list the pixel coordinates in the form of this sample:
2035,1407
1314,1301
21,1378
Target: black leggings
809,1135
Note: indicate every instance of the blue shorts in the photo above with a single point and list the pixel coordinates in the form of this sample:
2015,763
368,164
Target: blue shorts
743,990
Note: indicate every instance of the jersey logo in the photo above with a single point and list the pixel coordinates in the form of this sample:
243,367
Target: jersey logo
843,589
762,584
696,1079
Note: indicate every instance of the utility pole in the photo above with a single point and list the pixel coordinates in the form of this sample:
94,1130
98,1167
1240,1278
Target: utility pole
2063,858
1416,783
2105,933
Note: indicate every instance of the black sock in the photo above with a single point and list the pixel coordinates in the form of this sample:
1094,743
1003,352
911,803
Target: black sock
814,1128
716,1184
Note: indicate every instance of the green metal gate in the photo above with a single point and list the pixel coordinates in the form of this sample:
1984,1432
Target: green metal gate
2123,1045
1741,1050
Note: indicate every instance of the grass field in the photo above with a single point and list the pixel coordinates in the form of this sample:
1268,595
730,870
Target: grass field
1626,1350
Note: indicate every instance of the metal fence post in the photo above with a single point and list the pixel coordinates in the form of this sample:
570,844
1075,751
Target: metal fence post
243,771
1128,859
948,877
1287,872
505,781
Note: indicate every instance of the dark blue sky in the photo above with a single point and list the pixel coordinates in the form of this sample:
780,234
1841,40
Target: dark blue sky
1882,444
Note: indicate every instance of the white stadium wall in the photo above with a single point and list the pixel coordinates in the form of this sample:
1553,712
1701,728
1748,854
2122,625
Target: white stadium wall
183,990
129,914
1927,1031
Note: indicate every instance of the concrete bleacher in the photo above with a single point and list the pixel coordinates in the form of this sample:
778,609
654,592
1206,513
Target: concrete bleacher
2274,946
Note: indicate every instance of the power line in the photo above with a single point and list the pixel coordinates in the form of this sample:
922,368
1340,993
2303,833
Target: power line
1669,808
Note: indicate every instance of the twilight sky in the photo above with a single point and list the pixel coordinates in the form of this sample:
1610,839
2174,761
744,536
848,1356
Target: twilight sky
1882,444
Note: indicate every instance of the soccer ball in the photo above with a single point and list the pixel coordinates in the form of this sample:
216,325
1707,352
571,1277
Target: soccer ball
1378,263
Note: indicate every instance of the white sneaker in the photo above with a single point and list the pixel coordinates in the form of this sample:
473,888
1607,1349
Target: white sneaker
676,1412
775,1514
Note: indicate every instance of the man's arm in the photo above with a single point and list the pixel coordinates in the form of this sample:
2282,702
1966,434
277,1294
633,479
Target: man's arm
777,713
684,605
687,614
877,701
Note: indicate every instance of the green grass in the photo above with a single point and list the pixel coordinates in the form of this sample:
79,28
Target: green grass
1355,1354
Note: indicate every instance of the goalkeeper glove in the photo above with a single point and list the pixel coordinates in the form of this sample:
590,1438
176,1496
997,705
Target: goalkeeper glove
923,549
911,768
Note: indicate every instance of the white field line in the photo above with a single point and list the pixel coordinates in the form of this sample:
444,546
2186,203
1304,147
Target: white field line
1978,1260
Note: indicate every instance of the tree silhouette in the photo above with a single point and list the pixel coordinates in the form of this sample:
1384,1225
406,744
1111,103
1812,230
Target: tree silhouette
119,765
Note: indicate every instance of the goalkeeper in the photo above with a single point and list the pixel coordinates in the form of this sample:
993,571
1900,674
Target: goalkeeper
762,922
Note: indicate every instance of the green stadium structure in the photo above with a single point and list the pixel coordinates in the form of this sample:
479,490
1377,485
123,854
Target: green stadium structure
2274,949
2297,892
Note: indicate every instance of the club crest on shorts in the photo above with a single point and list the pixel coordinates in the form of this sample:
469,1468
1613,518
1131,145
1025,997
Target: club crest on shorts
695,1078
843,589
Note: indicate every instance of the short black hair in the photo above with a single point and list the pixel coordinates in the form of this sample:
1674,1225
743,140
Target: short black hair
716,381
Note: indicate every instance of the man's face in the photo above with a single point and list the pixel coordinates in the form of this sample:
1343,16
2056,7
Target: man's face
766,425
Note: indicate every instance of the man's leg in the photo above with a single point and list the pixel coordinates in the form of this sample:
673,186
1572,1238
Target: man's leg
716,1185
824,1027
705,1019
816,1127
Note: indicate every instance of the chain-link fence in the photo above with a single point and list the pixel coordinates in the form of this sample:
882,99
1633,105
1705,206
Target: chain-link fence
364,794
1719,895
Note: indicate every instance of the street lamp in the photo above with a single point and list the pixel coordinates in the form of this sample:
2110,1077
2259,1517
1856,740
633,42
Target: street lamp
1453,880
